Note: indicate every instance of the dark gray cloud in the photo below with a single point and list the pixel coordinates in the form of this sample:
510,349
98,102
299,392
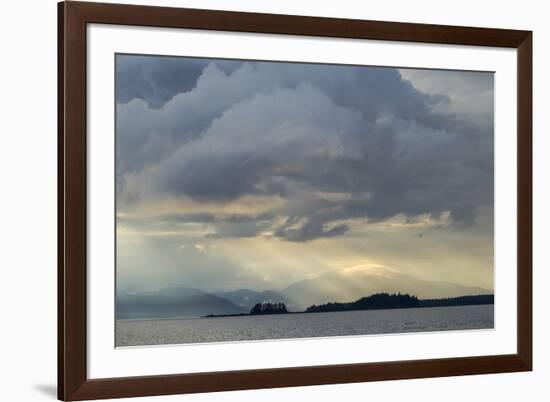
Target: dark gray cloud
266,135
312,228
157,79
336,142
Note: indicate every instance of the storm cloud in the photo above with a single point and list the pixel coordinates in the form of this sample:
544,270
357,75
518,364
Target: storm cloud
334,143
156,79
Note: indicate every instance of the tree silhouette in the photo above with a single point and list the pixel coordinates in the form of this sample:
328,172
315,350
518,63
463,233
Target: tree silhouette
388,301
268,308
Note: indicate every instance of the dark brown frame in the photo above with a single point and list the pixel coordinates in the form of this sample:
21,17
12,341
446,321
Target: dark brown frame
73,383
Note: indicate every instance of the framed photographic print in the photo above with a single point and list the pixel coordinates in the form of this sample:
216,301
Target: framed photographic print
253,200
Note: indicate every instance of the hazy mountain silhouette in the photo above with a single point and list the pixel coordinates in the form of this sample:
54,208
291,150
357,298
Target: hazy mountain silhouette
173,303
249,298
352,284
334,286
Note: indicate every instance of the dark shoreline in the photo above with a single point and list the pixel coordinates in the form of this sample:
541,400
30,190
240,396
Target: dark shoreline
319,312
249,315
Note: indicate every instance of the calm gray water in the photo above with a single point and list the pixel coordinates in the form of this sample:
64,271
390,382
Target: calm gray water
226,329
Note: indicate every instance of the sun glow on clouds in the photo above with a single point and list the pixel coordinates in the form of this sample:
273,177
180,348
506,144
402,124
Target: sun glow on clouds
257,175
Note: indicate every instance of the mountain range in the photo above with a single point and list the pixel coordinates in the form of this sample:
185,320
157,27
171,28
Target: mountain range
342,286
353,283
173,303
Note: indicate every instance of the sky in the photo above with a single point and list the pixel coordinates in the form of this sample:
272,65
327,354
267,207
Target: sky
243,174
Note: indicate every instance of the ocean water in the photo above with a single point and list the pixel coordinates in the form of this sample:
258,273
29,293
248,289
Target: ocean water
302,325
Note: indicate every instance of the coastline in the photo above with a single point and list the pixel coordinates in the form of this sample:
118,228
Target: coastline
319,312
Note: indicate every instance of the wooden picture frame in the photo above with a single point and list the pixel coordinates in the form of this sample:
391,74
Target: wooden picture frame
73,382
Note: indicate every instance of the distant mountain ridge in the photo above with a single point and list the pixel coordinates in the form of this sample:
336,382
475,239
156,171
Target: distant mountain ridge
352,284
182,302
347,284
175,303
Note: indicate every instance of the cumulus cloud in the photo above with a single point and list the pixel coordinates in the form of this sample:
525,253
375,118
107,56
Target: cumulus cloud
459,87
337,143
156,79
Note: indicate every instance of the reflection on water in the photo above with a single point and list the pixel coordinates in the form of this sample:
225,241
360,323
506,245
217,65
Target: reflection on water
225,329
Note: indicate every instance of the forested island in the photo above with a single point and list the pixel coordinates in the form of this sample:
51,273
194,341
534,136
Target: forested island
378,301
269,308
259,309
